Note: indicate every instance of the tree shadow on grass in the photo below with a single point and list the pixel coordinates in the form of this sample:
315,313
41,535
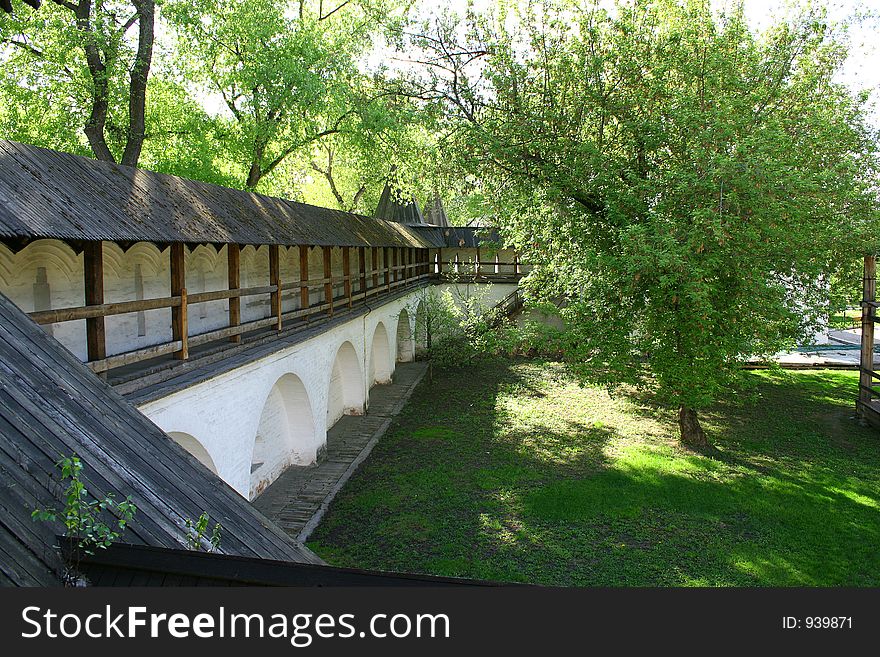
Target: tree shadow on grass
457,487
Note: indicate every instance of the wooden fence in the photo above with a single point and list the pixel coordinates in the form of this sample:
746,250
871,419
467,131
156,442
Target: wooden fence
400,267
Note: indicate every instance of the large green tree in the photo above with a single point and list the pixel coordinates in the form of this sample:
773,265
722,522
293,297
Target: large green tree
684,183
88,60
288,73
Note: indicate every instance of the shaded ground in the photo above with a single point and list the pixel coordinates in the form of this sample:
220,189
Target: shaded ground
296,501
511,471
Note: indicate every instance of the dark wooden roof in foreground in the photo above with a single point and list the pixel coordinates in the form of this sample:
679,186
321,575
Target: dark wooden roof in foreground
137,565
51,406
49,194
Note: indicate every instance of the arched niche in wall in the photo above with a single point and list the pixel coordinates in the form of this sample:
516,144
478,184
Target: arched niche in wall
194,447
381,365
285,433
405,346
345,395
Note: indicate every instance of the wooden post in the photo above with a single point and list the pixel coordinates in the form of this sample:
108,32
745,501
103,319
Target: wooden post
386,262
346,272
233,258
328,283
515,264
179,323
439,261
866,365
93,279
375,268
362,268
477,269
304,278
395,258
275,279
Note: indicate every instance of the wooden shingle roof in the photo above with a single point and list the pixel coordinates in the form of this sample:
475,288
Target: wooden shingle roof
49,194
51,406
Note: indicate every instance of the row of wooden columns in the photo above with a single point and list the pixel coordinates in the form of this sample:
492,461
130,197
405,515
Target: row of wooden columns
414,262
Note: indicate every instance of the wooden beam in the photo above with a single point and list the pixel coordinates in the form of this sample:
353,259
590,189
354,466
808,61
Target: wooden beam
346,272
328,274
866,359
362,268
395,254
304,278
93,279
375,266
275,279
233,252
386,262
179,322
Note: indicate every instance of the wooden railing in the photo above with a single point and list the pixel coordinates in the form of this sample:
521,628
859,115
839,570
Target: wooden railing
401,267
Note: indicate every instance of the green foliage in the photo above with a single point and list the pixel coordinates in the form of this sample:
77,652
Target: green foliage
198,530
685,185
291,84
84,518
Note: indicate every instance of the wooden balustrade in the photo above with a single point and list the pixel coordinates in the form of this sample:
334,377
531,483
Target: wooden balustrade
400,268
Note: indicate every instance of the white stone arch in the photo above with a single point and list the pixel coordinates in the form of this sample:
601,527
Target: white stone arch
55,253
405,344
192,445
345,390
204,258
381,365
149,256
114,261
420,334
285,433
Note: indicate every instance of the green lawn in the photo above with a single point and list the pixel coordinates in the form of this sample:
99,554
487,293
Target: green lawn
511,471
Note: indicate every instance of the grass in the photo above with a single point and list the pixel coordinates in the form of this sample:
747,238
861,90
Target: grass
511,471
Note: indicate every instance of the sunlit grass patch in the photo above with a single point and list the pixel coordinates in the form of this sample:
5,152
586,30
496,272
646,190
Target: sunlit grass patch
516,472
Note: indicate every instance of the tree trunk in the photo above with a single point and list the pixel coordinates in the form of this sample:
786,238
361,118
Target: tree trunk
137,90
692,433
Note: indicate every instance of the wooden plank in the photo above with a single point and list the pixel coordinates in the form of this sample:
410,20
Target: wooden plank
102,310
93,275
218,295
219,334
346,272
129,357
234,268
304,277
179,326
68,433
866,357
328,274
106,438
275,280
362,269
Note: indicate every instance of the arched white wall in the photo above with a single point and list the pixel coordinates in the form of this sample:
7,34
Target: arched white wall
194,447
405,345
345,394
284,434
226,411
381,365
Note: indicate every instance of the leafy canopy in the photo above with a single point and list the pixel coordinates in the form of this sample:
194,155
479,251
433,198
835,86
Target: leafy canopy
684,184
